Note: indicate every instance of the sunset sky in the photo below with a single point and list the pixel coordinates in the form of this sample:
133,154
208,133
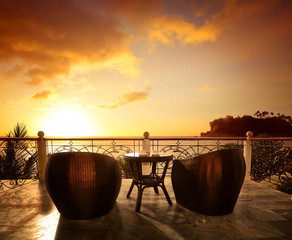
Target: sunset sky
119,68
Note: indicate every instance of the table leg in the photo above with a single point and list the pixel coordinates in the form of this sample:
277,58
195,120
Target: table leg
130,189
139,198
166,194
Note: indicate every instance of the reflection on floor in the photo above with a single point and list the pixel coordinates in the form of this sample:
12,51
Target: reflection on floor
261,213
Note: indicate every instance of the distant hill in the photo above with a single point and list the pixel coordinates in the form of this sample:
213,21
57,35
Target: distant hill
263,122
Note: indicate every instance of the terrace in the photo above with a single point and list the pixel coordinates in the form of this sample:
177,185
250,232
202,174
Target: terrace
261,212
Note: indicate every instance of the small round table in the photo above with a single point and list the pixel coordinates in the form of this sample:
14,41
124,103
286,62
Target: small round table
154,179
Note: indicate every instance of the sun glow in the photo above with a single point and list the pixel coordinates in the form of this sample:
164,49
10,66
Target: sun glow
68,122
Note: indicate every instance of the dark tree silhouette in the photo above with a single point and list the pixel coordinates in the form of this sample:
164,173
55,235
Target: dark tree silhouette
262,122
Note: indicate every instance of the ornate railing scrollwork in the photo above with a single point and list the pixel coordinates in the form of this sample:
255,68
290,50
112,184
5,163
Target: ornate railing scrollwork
271,158
180,149
110,148
285,169
272,161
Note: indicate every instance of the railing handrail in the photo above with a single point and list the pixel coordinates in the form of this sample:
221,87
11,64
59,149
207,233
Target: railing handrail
20,138
72,138
92,138
197,138
272,138
150,138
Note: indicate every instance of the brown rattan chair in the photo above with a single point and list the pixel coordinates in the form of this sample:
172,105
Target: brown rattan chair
209,183
83,185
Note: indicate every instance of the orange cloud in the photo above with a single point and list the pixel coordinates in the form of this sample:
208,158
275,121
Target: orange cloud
11,72
43,40
167,29
42,95
127,98
222,15
206,88
49,38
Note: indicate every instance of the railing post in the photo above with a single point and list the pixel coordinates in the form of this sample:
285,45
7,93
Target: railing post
247,154
146,143
42,155
146,147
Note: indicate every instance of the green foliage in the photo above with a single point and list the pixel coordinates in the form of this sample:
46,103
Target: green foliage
18,131
266,158
126,168
264,122
16,159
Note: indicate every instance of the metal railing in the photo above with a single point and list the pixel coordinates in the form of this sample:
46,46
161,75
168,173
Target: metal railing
179,147
262,167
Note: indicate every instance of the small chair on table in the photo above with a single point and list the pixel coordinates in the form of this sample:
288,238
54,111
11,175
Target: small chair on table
154,179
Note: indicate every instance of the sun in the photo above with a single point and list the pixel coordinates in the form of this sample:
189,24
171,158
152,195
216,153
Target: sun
68,122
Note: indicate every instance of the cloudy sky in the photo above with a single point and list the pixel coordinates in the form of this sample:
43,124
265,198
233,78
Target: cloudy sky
119,68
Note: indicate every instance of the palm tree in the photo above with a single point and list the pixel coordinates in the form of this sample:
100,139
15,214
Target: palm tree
16,161
18,131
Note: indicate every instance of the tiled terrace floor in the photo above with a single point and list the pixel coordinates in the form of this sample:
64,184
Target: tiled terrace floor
261,213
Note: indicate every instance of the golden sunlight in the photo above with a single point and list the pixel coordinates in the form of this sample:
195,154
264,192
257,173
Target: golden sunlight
68,122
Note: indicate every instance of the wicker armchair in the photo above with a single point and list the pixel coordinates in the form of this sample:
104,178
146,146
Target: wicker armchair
209,183
83,185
